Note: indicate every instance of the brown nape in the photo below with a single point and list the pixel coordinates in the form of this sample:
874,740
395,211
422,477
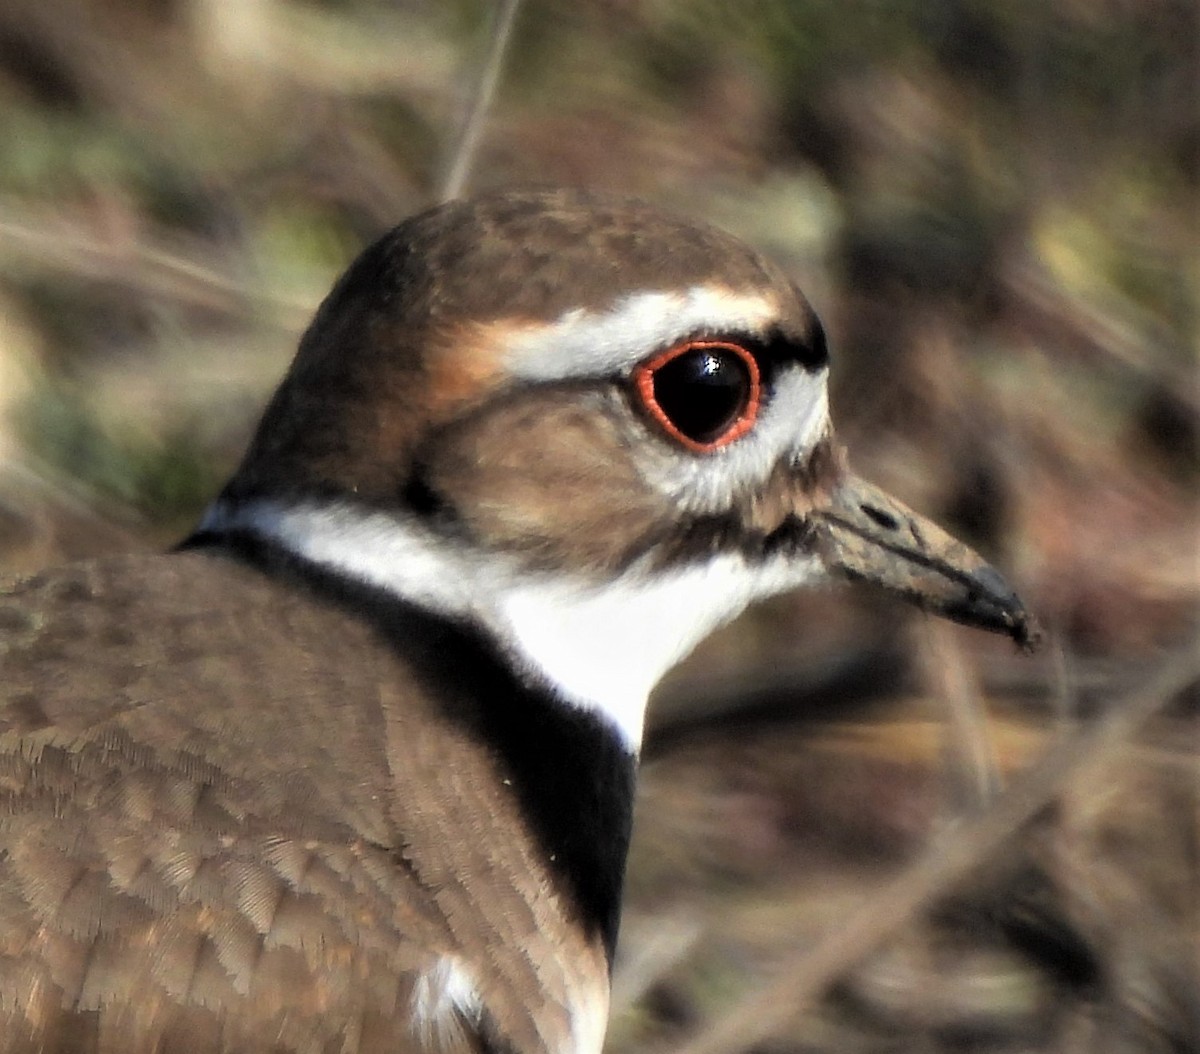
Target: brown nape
384,360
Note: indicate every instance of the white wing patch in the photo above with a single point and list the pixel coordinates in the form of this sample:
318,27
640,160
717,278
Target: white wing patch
588,1007
444,999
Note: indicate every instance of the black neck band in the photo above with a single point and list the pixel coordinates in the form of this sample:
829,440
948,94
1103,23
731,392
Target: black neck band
571,772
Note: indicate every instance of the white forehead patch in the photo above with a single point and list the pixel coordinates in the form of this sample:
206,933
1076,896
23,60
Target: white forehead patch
599,343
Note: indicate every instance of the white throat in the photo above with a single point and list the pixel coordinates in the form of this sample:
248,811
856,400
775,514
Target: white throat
600,646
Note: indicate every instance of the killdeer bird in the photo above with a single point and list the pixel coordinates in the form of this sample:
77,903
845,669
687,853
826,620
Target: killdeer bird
353,769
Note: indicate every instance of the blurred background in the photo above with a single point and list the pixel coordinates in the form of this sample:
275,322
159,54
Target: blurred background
994,207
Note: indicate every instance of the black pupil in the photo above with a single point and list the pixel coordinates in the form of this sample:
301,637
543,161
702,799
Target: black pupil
703,392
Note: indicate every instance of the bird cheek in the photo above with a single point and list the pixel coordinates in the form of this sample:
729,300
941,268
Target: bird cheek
548,482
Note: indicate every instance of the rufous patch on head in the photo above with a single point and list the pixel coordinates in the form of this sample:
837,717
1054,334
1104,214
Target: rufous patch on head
464,366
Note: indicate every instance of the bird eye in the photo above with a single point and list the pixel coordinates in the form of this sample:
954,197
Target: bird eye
704,394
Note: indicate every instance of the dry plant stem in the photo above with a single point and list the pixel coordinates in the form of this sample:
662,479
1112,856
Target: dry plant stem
148,270
71,495
481,101
948,860
973,775
672,938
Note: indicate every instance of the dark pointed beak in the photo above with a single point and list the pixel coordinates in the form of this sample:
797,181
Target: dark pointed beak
866,534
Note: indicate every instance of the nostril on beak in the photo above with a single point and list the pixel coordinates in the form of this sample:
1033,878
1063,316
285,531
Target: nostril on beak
882,519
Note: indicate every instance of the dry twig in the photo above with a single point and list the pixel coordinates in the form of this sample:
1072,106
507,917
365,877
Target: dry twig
481,101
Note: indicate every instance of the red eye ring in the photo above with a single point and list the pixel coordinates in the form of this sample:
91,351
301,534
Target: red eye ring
739,422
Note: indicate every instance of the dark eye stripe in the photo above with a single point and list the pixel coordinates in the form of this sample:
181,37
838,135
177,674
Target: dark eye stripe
777,352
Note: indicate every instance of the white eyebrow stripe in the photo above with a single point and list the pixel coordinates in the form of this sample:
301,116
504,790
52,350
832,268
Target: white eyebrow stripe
596,343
